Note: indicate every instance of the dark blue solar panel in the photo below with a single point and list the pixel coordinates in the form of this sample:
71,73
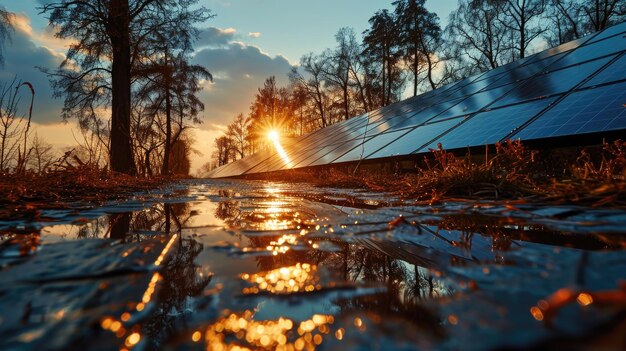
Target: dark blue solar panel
559,49
474,102
415,139
587,111
613,30
419,118
520,73
592,51
491,126
377,142
330,153
551,83
614,72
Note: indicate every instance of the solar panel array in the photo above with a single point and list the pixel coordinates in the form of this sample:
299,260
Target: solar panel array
574,89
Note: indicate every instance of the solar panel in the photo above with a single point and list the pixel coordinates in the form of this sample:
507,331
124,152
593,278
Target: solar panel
586,111
414,140
328,155
559,49
372,145
574,89
521,73
552,83
611,31
614,72
474,102
491,126
592,51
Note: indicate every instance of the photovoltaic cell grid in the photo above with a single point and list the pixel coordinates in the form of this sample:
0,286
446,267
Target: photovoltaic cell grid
573,89
587,111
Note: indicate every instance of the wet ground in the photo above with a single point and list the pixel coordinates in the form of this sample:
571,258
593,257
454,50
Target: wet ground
256,265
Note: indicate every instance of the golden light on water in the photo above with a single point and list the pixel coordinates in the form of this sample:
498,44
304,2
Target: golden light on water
584,299
299,278
228,333
131,335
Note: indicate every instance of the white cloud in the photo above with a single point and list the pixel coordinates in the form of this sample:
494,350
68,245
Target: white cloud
215,37
22,57
254,34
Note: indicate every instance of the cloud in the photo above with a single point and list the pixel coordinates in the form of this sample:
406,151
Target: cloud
238,70
22,56
215,37
254,34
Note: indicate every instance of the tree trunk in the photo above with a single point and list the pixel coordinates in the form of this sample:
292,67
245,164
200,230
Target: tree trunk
168,132
415,68
148,164
121,154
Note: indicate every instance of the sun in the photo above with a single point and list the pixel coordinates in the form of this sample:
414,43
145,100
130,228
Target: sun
273,135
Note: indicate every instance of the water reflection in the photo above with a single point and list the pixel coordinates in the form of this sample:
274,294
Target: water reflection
257,268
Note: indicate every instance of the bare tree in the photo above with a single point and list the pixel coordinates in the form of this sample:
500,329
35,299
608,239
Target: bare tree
12,125
313,84
521,18
599,14
42,154
236,131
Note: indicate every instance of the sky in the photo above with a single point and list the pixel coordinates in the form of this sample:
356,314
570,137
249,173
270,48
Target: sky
245,42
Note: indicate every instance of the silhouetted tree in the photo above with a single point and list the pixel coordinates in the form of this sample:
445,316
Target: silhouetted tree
223,153
381,46
419,35
521,19
237,131
110,39
477,37
311,81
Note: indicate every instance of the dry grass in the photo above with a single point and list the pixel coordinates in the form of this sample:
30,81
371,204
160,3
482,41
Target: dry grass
510,173
596,182
22,195
513,172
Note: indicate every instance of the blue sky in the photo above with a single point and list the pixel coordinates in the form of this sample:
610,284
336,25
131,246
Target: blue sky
290,28
245,43
294,27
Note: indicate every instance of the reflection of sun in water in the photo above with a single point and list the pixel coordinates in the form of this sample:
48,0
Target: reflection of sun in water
299,278
228,333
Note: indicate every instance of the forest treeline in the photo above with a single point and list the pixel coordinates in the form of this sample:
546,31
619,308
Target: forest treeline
127,79
405,51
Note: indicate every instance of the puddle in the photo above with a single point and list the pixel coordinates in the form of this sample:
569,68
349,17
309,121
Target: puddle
227,265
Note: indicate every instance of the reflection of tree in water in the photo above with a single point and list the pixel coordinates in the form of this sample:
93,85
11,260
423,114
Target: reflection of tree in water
230,212
182,278
94,229
145,224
